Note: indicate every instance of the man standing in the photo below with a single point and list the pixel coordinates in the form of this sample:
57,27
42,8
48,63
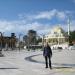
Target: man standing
47,53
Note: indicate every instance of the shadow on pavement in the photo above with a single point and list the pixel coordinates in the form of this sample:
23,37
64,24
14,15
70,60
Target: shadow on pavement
8,68
60,65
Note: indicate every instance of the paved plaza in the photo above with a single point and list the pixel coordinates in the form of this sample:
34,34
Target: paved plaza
32,63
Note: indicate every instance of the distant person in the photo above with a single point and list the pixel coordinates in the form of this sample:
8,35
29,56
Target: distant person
47,53
6,46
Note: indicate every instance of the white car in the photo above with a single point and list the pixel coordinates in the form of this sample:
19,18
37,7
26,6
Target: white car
25,47
72,48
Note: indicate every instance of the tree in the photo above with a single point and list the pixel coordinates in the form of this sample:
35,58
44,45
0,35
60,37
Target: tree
72,35
32,37
39,40
25,39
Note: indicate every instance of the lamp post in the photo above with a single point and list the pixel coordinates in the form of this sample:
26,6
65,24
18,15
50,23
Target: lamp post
58,37
28,44
19,40
1,55
42,36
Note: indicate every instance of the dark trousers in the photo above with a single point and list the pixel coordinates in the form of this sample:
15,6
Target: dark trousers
48,58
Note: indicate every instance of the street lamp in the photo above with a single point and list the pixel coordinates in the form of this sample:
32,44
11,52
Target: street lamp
1,41
28,44
1,55
19,40
43,36
59,32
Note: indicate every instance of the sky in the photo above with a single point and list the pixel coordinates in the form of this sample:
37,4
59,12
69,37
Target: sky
19,16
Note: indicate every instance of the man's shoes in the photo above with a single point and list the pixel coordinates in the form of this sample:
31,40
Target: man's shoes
50,67
46,67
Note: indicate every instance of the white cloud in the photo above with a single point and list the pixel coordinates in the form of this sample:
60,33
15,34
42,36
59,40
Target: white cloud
45,15
40,28
72,25
23,25
61,15
11,26
73,1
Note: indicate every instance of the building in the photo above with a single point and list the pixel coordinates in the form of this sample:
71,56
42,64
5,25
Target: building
8,42
56,36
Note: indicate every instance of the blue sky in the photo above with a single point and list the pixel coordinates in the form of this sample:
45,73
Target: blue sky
41,15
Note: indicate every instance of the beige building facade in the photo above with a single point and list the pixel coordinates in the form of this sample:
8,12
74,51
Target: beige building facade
56,36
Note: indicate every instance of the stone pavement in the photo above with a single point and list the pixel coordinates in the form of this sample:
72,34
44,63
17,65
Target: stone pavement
63,62
32,63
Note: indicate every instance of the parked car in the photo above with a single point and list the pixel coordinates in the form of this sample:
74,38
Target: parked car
59,48
72,47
